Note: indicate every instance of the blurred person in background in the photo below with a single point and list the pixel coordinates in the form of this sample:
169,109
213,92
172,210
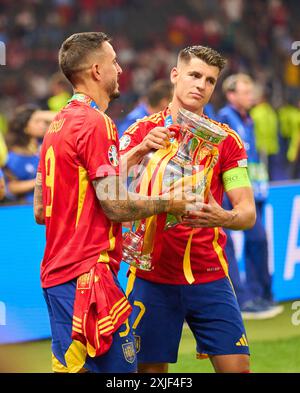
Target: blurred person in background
289,120
3,150
190,280
266,130
157,98
256,300
34,33
26,131
209,111
60,92
2,185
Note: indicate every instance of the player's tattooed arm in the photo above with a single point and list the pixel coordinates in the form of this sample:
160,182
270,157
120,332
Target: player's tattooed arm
120,205
38,200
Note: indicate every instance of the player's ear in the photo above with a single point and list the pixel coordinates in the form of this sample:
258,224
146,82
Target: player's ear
96,71
174,75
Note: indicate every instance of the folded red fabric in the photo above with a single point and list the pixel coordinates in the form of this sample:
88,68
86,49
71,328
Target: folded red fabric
100,308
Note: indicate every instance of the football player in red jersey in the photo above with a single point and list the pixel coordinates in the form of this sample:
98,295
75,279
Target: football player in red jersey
79,197
192,284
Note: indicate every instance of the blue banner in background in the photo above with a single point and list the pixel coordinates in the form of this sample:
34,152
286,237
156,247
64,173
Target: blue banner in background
282,220
23,309
23,313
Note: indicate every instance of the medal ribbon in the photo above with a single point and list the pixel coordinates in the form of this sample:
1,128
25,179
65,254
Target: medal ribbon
84,98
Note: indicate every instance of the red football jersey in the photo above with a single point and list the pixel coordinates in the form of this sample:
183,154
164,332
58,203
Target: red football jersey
80,145
207,258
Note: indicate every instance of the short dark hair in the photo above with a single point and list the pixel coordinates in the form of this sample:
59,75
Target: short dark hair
158,90
75,49
16,135
204,53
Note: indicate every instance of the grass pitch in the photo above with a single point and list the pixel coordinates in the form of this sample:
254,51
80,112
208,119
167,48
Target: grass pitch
274,345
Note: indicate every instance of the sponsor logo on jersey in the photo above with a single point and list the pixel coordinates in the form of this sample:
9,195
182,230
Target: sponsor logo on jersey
242,342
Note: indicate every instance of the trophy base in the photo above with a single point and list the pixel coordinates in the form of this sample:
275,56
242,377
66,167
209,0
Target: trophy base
142,262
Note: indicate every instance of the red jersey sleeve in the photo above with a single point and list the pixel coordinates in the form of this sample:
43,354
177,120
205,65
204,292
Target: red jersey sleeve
233,152
98,147
133,136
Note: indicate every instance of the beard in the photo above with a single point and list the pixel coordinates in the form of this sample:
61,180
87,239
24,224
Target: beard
112,90
114,95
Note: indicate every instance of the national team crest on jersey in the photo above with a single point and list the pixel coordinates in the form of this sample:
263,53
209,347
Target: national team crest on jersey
113,155
84,281
129,352
124,142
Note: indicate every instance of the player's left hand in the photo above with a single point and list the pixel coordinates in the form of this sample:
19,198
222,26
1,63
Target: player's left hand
211,215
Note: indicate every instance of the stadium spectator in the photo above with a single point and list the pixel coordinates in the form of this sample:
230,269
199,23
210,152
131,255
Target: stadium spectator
157,98
26,130
32,35
239,92
192,283
3,150
289,120
79,161
209,111
2,185
61,92
266,130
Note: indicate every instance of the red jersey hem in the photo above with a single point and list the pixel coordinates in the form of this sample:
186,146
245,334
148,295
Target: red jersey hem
198,280
86,267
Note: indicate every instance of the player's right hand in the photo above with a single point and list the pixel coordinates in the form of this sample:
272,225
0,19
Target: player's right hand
182,198
157,138
180,207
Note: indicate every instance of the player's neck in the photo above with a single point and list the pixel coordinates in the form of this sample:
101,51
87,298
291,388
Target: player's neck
174,108
97,96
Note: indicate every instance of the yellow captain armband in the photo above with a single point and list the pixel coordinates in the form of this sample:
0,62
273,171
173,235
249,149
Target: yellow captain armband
236,178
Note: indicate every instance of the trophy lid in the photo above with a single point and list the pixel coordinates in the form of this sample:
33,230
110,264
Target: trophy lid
201,127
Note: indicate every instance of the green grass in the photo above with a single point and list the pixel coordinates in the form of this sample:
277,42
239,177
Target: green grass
274,345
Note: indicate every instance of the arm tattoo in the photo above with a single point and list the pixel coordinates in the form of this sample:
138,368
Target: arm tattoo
38,200
120,205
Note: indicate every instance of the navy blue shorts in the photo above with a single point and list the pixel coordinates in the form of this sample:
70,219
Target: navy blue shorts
70,355
211,311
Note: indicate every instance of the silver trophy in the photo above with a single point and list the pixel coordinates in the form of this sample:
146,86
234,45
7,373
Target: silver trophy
196,155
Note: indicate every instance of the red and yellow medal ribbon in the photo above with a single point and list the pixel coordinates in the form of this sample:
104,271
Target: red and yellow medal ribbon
197,177
157,163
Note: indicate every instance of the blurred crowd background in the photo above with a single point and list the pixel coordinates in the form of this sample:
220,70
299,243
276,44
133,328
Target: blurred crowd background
255,36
